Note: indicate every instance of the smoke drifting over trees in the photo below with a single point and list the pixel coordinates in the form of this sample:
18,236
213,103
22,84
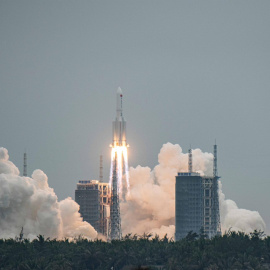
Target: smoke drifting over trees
151,204
30,203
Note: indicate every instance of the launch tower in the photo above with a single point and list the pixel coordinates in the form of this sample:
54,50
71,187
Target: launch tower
93,196
115,219
197,202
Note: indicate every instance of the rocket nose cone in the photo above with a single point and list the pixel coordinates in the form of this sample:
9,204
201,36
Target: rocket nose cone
119,91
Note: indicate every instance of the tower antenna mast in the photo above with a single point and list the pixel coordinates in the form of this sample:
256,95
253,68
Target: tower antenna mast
215,170
24,164
101,169
190,160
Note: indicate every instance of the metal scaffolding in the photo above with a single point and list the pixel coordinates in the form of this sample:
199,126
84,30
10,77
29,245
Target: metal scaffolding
211,216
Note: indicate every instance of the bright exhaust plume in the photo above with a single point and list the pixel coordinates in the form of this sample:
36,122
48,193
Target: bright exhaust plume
121,153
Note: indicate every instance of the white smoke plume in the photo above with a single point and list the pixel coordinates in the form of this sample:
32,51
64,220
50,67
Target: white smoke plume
237,219
30,203
150,208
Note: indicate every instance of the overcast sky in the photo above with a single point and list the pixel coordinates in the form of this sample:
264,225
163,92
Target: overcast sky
191,72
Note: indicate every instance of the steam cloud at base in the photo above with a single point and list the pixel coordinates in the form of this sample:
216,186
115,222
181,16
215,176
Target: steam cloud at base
151,205
30,203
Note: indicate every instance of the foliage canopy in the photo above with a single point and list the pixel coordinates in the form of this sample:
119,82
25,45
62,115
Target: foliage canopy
234,250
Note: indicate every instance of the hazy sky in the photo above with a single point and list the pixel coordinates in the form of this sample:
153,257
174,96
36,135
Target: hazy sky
191,71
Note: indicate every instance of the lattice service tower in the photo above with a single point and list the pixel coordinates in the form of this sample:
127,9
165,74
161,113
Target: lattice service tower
115,218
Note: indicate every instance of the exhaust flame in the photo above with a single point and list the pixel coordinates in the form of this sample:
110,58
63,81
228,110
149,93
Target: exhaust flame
122,170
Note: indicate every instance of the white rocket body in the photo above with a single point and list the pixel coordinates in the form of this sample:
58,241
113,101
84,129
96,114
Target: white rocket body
119,125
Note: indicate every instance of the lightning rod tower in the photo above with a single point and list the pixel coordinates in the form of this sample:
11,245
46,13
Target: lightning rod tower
115,219
190,160
216,201
24,164
215,171
101,169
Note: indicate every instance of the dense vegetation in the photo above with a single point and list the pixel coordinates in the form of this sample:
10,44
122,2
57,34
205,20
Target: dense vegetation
230,251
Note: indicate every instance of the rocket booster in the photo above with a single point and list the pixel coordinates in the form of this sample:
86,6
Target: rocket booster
119,125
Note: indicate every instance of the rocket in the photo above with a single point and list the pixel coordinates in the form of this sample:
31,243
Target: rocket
119,124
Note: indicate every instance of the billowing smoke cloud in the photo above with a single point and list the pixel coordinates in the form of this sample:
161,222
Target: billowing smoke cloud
30,203
236,219
150,207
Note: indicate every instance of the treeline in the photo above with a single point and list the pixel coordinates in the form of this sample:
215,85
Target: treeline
230,251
